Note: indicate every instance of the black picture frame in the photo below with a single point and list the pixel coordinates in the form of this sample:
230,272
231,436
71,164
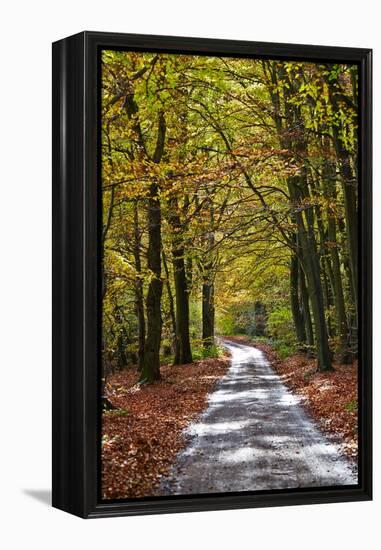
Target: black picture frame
76,273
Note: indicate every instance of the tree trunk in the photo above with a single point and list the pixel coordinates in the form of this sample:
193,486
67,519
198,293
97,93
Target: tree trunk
323,255
295,303
350,201
176,347
151,363
306,312
311,267
182,307
207,313
139,298
325,269
349,183
181,288
341,317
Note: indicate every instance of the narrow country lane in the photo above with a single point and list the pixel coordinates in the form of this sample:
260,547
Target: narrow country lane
253,436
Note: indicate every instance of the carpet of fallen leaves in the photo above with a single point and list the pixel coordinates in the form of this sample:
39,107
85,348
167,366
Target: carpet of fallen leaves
330,398
142,436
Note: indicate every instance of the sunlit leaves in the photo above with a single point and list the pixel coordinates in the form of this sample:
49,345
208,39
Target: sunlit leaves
224,120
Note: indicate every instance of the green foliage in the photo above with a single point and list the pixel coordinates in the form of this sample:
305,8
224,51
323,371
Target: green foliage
281,332
212,351
352,406
283,349
224,176
199,352
280,325
195,319
116,412
226,324
243,318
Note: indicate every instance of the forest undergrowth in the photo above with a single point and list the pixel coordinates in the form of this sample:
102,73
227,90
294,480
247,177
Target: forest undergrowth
143,434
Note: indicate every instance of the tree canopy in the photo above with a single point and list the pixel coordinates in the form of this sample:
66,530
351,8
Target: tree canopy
229,191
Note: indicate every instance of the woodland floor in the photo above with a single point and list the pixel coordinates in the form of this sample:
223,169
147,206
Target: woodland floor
141,438
330,398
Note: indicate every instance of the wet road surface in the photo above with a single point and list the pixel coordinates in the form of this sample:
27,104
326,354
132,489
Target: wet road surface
254,436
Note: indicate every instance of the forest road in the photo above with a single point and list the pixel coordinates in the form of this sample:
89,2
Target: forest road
254,435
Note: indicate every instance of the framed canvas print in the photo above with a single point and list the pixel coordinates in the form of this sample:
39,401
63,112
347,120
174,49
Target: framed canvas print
212,274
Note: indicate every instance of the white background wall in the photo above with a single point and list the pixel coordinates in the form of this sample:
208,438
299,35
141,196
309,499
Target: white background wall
27,29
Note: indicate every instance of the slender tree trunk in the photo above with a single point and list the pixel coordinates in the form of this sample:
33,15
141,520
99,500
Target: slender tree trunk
296,309
329,174
182,307
324,259
171,301
122,339
105,229
306,312
325,268
208,313
350,201
311,267
151,364
139,298
181,288
349,183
